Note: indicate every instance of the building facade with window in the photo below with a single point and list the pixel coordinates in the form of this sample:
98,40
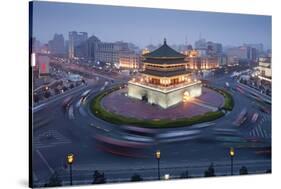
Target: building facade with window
165,80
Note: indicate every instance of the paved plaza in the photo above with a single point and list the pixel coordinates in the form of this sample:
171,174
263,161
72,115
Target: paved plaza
117,102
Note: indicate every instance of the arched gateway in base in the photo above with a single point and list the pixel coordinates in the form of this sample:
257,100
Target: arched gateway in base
165,78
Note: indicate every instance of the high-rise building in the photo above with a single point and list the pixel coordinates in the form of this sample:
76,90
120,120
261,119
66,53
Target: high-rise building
242,53
222,60
92,44
197,60
257,46
214,48
203,63
56,45
200,44
238,52
151,47
252,53
110,52
44,49
265,68
129,61
35,45
232,61
75,40
42,63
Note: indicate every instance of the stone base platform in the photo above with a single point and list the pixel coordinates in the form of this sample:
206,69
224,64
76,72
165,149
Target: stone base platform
118,102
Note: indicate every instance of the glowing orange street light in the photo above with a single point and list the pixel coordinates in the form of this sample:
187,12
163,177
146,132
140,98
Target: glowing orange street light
70,160
231,154
158,155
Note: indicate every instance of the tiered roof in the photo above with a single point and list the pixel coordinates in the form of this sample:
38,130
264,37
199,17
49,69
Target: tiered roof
164,54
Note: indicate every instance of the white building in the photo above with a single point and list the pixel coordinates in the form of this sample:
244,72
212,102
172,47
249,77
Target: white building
165,80
75,39
264,68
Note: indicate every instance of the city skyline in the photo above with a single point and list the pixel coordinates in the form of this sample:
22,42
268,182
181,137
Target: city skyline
104,111
149,23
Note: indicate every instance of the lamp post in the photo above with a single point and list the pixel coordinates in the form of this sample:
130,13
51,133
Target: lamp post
231,154
157,155
70,160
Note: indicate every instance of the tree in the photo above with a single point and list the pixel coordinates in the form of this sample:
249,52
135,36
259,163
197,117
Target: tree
210,172
57,91
243,170
47,94
136,178
35,98
99,178
54,180
64,88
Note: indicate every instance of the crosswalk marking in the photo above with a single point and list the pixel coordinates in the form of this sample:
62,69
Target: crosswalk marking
57,139
251,133
258,131
45,161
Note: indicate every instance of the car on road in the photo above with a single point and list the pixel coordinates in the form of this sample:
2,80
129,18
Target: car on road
255,117
225,132
99,127
85,94
139,130
242,117
67,102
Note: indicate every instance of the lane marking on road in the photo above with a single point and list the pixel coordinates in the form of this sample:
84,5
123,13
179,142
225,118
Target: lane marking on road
260,131
251,133
266,135
36,108
45,161
82,112
71,112
35,178
255,132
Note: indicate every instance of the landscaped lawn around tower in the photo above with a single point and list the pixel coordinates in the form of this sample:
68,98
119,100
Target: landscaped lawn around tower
98,110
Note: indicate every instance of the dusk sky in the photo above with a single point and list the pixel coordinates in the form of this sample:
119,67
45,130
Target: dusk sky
144,26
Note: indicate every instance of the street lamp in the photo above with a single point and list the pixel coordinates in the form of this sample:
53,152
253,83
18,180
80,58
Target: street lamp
231,154
70,160
157,155
166,176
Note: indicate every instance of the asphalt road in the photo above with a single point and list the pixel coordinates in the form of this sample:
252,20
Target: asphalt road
102,146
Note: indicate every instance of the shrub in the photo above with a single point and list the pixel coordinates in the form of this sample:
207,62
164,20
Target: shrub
100,112
210,172
228,99
99,178
243,171
136,178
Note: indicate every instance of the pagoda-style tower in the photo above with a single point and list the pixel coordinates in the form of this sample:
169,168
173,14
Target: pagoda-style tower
165,80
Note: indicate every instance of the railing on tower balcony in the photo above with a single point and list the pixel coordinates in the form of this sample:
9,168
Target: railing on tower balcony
142,81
